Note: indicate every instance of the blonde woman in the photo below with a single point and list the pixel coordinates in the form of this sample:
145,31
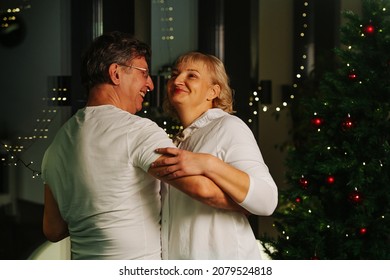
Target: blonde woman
199,95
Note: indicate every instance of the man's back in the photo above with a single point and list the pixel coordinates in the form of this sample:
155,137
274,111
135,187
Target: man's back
97,170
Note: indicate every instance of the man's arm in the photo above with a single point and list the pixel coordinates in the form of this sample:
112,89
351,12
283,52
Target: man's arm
54,226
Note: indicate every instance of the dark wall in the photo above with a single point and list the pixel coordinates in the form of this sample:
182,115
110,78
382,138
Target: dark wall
322,33
236,21
238,42
210,15
81,36
117,15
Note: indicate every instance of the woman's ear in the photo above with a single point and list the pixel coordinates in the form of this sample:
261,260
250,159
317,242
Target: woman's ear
214,92
113,71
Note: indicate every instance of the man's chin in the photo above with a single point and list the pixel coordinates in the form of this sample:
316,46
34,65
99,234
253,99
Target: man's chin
139,108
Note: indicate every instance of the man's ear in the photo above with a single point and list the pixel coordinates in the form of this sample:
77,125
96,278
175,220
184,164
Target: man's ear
113,71
214,92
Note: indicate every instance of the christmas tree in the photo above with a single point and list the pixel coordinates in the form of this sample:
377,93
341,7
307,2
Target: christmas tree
337,204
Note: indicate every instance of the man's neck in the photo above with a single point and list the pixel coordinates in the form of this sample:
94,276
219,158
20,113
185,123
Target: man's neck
103,95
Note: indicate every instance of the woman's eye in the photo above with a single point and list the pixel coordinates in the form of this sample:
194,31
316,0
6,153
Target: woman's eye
190,75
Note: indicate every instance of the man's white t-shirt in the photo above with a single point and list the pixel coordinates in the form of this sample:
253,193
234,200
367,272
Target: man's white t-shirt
97,170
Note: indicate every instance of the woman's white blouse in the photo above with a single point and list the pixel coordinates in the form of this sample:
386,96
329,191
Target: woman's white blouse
193,230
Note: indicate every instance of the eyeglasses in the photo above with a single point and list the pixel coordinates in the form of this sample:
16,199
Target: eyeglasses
145,71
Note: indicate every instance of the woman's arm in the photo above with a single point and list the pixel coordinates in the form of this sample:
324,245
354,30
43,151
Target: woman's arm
198,187
180,163
255,191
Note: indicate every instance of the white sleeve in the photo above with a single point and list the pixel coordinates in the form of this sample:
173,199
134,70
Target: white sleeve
150,138
262,196
239,148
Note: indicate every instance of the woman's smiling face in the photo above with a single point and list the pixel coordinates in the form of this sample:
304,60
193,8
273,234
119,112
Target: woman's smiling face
191,86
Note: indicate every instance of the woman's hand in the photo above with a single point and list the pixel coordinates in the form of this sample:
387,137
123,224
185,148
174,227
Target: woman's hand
179,163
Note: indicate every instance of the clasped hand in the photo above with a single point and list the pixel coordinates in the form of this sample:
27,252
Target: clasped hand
176,163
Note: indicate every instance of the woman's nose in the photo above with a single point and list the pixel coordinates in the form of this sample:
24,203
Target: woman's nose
178,80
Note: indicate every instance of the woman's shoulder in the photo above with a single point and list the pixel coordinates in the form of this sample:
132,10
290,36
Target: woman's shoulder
232,126
232,120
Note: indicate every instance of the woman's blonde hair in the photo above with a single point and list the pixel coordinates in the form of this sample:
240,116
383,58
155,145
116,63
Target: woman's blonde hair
218,76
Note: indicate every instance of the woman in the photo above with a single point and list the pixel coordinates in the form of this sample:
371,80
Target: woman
199,95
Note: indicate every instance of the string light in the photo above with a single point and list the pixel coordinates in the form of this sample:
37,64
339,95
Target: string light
13,160
12,154
303,68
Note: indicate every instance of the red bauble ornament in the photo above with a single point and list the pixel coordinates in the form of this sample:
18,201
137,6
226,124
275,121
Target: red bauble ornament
304,183
317,121
363,231
298,199
314,258
347,124
330,179
352,76
369,29
355,197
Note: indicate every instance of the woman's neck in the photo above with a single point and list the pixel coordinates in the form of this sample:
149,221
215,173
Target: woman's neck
188,116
